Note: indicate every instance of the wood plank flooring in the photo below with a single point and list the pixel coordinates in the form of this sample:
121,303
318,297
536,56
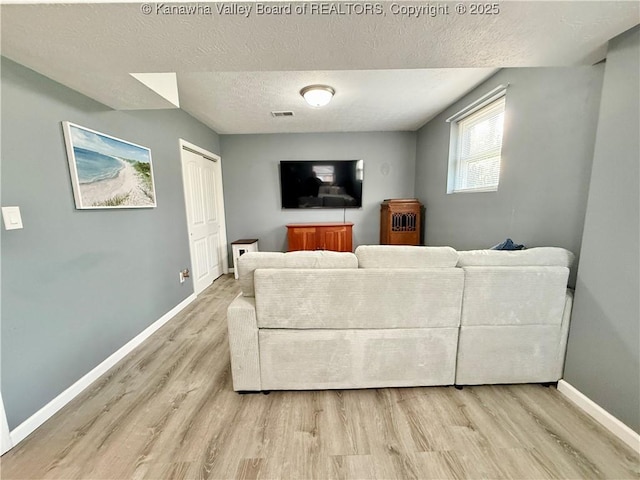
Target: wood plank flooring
168,411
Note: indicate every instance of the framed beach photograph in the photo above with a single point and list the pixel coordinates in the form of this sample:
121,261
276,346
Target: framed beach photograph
107,172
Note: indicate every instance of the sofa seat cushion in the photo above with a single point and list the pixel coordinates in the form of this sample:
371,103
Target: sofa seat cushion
404,256
358,298
250,261
538,256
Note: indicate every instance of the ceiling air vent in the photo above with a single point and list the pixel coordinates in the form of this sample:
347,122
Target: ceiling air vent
283,113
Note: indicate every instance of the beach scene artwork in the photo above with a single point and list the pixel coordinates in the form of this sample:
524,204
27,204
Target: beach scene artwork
107,172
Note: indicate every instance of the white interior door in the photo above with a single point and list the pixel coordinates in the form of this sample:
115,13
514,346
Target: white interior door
202,177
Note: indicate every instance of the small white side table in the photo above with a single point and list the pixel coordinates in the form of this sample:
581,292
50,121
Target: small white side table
240,247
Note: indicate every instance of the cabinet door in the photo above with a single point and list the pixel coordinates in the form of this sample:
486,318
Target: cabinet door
302,238
337,239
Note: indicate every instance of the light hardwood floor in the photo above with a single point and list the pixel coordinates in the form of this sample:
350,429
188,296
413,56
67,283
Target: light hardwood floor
168,411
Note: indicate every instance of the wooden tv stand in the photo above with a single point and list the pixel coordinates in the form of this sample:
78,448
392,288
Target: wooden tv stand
336,236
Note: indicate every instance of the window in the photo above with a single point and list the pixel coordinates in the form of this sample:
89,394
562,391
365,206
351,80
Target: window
360,170
326,173
476,146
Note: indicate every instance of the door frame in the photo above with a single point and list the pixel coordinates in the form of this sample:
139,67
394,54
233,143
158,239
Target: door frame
224,242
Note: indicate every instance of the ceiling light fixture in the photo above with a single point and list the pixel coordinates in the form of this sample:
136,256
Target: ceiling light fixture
317,95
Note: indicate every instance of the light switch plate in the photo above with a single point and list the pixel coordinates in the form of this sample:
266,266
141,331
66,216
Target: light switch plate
12,218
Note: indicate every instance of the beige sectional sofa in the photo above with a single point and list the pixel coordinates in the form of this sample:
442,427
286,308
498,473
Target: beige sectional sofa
399,316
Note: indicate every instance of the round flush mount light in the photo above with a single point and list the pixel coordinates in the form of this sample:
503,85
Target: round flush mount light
317,95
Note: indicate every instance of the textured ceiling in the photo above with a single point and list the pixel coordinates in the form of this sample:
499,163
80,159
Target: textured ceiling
365,100
390,72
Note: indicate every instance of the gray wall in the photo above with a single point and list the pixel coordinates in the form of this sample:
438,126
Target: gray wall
77,285
550,124
252,182
603,354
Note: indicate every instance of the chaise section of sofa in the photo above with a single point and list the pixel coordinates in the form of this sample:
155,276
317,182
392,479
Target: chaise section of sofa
515,316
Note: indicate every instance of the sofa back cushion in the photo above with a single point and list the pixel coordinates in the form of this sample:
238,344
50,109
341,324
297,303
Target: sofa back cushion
509,296
403,256
539,256
250,261
520,287
358,298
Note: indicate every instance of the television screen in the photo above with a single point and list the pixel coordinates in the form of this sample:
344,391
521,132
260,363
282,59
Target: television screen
321,183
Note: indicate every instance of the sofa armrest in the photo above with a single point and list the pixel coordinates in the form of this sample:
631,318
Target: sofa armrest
243,344
564,331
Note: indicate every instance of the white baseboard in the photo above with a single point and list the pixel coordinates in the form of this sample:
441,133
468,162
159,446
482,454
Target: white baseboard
611,423
5,437
34,421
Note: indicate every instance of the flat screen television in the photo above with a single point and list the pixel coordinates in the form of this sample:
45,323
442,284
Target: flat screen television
321,183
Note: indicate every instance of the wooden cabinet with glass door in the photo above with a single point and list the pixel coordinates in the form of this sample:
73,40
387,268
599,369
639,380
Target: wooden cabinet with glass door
400,221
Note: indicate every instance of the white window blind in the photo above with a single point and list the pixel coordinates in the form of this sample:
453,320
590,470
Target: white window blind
360,170
326,173
478,149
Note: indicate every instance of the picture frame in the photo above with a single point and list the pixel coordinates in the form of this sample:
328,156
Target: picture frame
108,172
